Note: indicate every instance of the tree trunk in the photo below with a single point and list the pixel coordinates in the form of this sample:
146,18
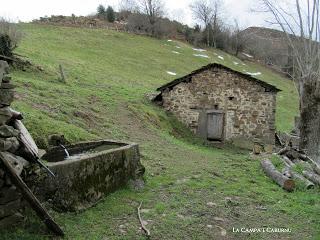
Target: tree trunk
308,184
208,36
275,175
313,177
310,121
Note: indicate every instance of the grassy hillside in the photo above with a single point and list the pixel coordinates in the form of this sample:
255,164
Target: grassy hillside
192,191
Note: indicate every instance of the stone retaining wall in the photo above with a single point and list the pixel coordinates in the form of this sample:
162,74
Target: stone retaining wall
11,204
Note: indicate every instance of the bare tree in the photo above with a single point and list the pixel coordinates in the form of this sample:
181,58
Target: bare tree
238,40
215,24
302,30
154,9
207,11
127,6
202,11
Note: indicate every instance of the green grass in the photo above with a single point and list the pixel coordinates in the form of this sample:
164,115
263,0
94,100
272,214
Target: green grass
108,75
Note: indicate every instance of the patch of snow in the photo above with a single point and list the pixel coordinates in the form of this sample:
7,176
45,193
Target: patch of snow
171,73
176,52
247,55
254,74
169,40
199,49
201,55
222,58
235,63
244,64
178,47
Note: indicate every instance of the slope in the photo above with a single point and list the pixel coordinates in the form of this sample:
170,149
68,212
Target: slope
192,191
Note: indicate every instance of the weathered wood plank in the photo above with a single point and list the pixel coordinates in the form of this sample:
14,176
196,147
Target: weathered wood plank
30,148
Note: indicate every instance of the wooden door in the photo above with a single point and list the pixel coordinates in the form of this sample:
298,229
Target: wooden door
215,126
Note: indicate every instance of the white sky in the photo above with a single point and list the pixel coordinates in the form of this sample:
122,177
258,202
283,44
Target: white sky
26,10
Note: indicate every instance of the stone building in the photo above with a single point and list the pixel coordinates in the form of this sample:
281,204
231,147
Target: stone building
221,104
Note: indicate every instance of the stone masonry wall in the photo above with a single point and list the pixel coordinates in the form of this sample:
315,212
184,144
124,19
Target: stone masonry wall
249,110
11,204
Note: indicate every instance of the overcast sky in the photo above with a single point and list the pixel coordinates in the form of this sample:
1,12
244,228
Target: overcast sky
26,10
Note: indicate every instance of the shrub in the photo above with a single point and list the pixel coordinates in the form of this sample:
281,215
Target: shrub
10,37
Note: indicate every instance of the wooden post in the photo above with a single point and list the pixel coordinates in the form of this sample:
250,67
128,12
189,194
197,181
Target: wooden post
62,74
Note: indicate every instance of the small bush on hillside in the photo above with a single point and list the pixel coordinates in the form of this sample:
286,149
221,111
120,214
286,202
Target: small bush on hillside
110,14
10,37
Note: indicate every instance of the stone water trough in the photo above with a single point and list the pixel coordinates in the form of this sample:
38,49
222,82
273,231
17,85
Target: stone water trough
93,170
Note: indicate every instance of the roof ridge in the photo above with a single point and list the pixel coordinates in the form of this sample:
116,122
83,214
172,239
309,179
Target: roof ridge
211,65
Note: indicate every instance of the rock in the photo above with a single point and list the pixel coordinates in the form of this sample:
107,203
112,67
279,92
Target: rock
211,204
6,85
269,149
9,208
2,173
5,144
9,144
56,140
231,202
145,210
223,232
1,183
9,194
218,219
7,181
6,97
8,131
42,152
6,79
137,184
17,162
257,148
5,115
14,144
4,69
11,221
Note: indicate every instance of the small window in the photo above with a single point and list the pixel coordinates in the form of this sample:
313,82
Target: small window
216,106
231,98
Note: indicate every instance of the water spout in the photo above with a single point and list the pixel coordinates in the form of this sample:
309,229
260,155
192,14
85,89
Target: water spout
65,150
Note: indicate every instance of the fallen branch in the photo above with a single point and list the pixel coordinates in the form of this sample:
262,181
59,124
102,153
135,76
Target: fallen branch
276,176
8,58
287,161
283,150
141,222
314,164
